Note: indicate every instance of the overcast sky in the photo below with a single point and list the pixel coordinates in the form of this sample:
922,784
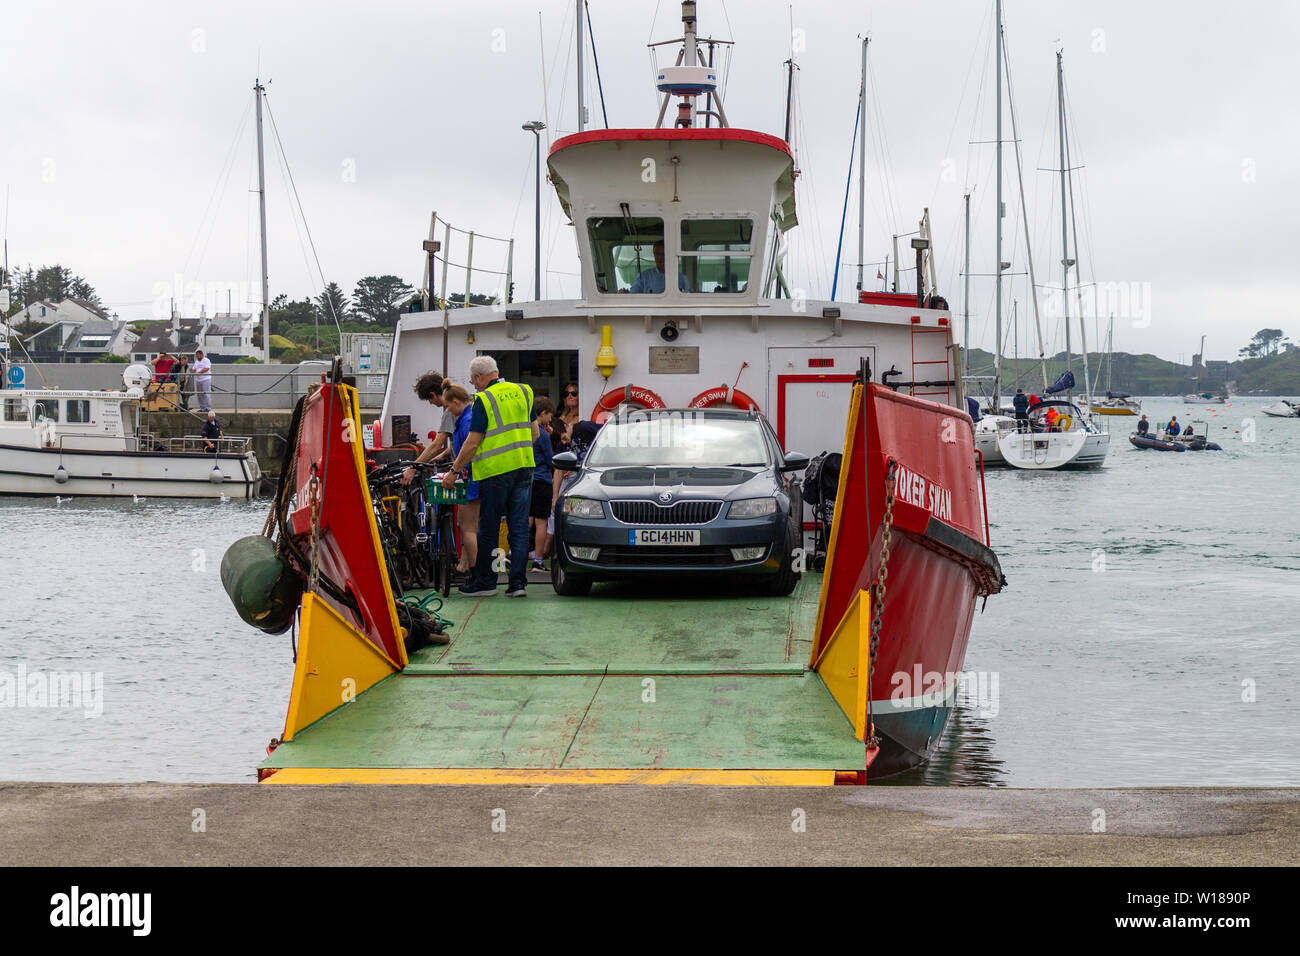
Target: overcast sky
122,118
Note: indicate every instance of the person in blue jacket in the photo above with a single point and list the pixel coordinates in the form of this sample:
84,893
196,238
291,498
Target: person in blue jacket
1021,405
1172,428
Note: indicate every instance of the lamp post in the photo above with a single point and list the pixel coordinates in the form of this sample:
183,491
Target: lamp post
920,245
536,127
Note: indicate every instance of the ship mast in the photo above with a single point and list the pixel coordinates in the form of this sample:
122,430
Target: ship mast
260,91
582,109
965,302
862,160
998,214
1074,231
1066,261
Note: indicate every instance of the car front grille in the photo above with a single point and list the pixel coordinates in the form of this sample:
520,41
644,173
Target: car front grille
649,512
704,557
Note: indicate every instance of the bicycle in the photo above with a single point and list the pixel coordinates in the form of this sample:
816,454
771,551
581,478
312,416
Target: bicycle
388,508
418,534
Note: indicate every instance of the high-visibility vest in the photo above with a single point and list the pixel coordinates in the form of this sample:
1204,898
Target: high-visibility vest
508,442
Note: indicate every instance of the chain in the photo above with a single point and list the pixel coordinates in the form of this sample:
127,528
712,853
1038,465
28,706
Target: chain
877,605
314,498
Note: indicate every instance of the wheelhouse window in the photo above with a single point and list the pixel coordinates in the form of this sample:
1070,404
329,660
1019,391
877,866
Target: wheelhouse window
78,411
15,410
46,408
627,254
715,254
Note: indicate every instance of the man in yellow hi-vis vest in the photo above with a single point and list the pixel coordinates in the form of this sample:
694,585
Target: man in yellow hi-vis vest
499,450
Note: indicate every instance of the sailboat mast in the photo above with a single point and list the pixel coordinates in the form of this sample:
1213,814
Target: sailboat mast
1074,231
965,304
862,160
998,213
1065,241
259,91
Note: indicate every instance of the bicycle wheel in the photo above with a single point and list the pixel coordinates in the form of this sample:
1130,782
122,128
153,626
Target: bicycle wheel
446,559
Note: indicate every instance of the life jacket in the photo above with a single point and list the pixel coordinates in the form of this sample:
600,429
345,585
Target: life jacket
508,442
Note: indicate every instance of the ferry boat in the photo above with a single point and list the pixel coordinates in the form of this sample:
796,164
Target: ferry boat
96,442
680,681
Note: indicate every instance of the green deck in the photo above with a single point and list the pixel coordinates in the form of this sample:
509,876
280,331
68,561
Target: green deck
549,683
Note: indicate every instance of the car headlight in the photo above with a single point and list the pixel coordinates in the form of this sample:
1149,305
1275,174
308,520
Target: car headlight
584,508
752,508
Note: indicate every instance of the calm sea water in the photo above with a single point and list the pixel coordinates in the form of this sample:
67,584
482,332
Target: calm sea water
1147,636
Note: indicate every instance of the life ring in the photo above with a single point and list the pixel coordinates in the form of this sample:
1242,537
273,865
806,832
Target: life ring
1063,423
628,394
723,395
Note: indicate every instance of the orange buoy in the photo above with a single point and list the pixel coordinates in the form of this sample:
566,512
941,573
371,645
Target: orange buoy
724,395
628,394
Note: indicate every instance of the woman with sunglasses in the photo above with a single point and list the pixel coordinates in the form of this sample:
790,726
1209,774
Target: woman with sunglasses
569,415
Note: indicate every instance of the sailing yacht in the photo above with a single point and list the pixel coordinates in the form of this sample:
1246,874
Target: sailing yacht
1059,434
1114,403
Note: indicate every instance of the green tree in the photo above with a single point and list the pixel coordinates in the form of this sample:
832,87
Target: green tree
333,304
52,284
1265,342
375,299
286,314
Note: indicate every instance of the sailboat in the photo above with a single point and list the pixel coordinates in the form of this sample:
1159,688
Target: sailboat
1115,403
992,426
1058,433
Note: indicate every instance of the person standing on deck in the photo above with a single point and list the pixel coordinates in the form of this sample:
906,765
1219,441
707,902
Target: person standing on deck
503,428
211,433
1021,405
1172,428
202,374
429,388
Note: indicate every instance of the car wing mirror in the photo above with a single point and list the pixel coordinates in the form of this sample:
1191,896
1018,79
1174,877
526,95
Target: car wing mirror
794,461
565,461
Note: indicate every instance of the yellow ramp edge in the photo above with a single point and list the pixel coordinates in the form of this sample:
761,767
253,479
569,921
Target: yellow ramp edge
527,778
845,663
335,664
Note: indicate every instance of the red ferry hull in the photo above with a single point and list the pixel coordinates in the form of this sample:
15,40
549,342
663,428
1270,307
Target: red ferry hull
938,565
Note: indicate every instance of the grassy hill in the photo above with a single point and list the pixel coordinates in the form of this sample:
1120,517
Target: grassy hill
1147,374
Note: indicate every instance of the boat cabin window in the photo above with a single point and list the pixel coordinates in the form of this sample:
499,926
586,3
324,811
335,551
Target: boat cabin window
623,254
15,410
78,411
46,408
716,253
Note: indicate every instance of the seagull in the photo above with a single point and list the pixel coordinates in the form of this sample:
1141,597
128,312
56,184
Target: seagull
137,499
59,501
225,497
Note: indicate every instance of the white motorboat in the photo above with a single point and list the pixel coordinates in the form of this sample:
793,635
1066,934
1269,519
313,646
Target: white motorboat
1069,440
988,430
92,442
1282,409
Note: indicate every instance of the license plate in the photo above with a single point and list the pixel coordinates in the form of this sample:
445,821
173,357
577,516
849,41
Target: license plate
664,536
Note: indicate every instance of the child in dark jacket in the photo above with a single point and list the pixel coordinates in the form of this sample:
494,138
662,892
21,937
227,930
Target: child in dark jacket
540,508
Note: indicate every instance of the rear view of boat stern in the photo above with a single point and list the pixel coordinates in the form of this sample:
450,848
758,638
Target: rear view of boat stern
618,687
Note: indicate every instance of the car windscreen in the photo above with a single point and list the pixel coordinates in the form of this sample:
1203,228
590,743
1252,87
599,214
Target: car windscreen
678,440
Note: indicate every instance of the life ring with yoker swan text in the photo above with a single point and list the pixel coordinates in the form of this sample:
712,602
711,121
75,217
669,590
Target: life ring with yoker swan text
724,395
627,395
